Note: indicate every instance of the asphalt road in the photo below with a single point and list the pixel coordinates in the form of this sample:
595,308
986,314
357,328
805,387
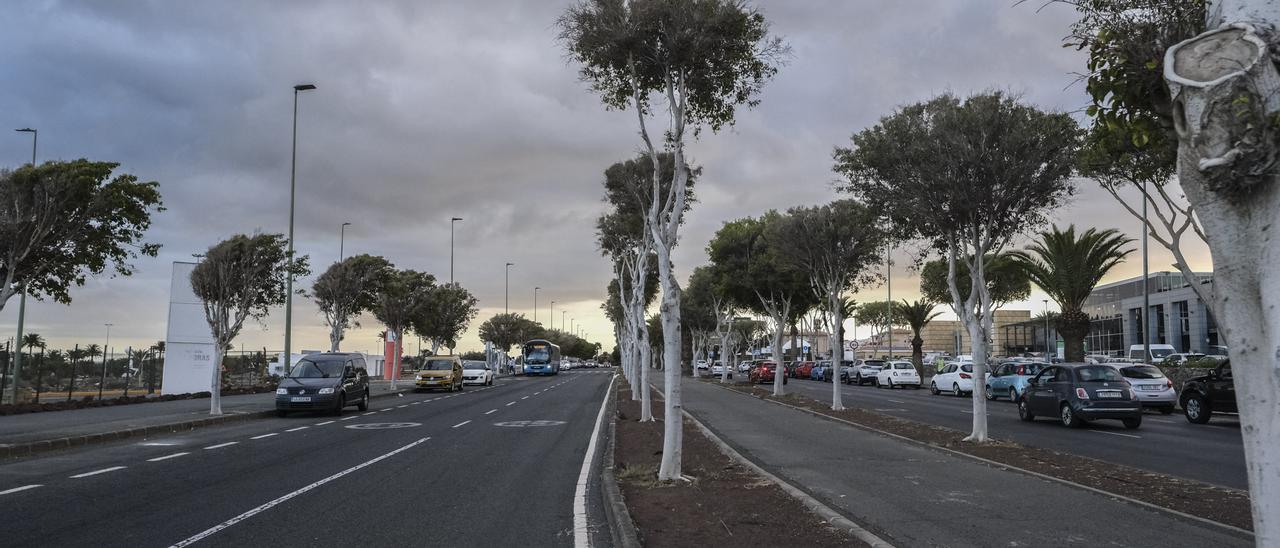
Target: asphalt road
1167,444
461,469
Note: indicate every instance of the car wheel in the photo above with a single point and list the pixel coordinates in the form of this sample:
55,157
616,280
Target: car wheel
342,402
955,389
364,401
1069,418
987,392
1024,411
933,388
1133,423
1013,394
1197,409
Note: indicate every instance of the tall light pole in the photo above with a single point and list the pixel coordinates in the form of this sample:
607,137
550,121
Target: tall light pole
105,346
888,276
451,222
535,304
342,239
1146,283
1046,328
506,291
571,322
553,317
293,190
562,319
22,300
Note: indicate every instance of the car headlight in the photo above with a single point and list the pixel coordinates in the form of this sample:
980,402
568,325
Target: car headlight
326,390
282,390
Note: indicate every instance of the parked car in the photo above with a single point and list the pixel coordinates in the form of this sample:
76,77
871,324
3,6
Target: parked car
804,370
1154,389
898,373
820,371
1078,393
476,372
763,371
1158,353
1208,394
441,372
717,369
327,381
957,378
703,365
865,372
745,365
1010,379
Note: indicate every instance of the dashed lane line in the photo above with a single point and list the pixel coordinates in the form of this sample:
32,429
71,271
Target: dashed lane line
402,406
264,436
490,412
525,398
370,413
510,404
324,423
297,429
1115,433
96,472
221,445
167,457
19,489
388,409
461,423
351,417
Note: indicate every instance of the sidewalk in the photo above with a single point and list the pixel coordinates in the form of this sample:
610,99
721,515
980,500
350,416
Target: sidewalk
911,495
35,432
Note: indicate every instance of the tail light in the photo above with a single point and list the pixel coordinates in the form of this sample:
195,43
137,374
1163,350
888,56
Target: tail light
1082,394
1022,370
966,376
1168,383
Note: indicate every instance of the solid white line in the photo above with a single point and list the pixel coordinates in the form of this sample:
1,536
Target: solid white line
581,538
23,488
349,418
510,404
324,423
264,436
489,412
1115,433
96,472
461,423
297,429
167,457
269,505
221,445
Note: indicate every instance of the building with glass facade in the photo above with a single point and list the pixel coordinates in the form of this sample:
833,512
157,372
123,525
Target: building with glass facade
1176,316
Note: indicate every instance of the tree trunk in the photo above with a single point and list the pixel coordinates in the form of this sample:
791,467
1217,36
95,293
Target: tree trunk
673,415
1224,86
979,339
837,350
215,385
1073,325
335,336
646,365
917,355
779,373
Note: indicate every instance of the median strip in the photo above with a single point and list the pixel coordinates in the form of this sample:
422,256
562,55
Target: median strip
96,472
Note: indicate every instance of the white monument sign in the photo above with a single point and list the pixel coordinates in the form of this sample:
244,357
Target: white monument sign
188,356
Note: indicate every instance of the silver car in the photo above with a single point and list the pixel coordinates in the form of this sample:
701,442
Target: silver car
1154,390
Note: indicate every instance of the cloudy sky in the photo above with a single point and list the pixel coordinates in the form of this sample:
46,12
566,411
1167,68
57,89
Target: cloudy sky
428,110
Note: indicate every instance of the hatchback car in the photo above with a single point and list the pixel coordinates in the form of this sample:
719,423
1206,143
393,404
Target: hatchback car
865,372
1010,379
956,378
803,370
476,372
898,373
1078,393
328,381
441,372
717,370
1153,388
764,371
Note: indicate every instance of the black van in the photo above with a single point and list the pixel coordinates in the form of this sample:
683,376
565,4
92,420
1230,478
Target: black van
328,381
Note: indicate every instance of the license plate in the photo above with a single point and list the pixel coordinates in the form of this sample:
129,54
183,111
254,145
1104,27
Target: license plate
300,398
1151,387
1108,394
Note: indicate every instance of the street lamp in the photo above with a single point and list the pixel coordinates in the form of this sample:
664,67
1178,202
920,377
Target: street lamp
506,291
342,239
22,300
1046,327
105,346
535,304
553,317
293,188
888,276
562,318
451,221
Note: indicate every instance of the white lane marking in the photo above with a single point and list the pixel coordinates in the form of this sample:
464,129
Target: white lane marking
525,398
461,423
264,436
17,489
402,406
581,539
370,413
510,404
388,409
290,495
349,418
96,472
895,401
221,445
324,423
490,412
157,444
416,402
1115,433
297,429
167,457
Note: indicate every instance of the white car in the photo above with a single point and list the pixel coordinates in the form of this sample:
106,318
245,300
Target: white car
865,371
898,373
476,372
956,378
717,369
1154,389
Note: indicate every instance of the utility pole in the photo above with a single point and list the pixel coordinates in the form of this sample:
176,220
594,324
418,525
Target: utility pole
22,300
1146,283
293,187
342,239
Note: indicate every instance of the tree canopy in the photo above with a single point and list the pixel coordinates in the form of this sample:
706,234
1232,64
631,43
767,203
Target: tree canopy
348,288
507,330
443,318
1006,281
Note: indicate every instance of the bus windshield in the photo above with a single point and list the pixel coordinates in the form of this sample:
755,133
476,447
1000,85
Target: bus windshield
537,354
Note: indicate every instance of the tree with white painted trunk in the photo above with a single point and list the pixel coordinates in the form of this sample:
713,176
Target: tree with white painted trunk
835,244
699,312
240,278
702,59
966,176
402,298
345,290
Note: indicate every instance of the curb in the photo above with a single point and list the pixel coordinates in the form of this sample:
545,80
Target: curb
622,530
814,505
1245,532
29,448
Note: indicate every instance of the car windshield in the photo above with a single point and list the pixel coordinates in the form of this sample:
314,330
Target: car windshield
1098,373
1142,372
439,365
473,365
901,365
308,369
1160,353
967,368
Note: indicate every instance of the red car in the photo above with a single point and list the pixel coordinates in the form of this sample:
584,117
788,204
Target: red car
803,370
763,372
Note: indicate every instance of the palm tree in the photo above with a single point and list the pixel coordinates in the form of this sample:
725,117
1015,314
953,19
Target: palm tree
917,315
1068,267
30,341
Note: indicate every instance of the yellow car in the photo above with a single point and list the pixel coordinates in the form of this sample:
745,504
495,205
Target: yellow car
441,372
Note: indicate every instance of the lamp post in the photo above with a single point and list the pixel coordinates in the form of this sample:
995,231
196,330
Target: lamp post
22,300
553,317
451,222
888,277
293,188
1146,283
105,346
342,239
506,291
1046,328
535,304
562,318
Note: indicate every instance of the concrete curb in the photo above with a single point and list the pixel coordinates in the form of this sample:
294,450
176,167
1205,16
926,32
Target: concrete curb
1244,532
29,448
823,511
621,528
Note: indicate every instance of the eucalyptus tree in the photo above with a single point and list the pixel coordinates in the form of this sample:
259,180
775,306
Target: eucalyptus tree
966,176
444,317
878,315
404,295
834,245
346,289
1006,280
507,330
700,311
239,278
701,60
